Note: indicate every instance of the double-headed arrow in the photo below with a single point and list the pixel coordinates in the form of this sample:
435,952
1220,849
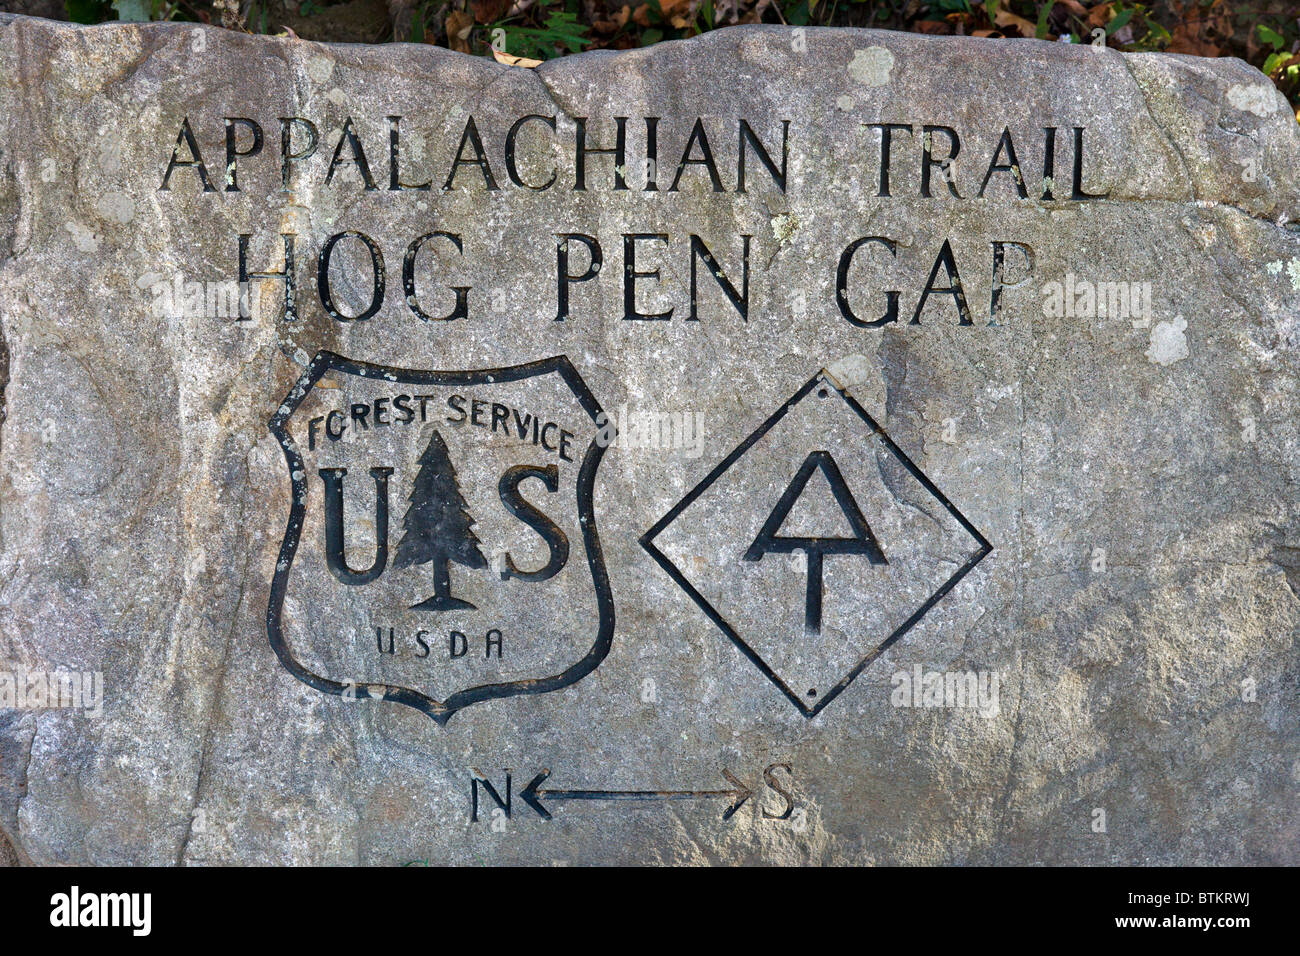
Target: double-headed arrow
532,794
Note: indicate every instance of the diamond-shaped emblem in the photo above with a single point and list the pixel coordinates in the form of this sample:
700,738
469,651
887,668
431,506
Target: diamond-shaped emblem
816,544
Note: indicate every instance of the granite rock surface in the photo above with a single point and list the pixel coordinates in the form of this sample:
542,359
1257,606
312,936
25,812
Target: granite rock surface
884,451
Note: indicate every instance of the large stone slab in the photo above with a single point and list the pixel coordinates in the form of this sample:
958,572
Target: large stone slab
641,511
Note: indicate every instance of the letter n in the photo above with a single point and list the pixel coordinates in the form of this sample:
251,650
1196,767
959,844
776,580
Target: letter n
479,780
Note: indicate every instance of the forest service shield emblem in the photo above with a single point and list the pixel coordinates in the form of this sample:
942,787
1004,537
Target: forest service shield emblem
441,547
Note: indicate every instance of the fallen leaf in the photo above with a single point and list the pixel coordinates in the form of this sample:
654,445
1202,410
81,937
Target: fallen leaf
459,25
509,60
1202,31
1185,40
1100,16
489,11
1025,28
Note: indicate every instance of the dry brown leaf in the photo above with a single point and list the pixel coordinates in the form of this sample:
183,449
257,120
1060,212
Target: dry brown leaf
459,25
1075,7
1203,31
1102,15
489,11
1185,40
642,15
612,20
510,60
932,26
1007,19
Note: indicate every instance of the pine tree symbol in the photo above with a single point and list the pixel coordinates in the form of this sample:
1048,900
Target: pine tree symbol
437,527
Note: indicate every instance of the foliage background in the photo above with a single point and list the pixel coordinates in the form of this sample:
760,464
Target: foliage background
1265,33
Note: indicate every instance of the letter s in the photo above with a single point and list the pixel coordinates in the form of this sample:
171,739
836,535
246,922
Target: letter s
770,778
550,532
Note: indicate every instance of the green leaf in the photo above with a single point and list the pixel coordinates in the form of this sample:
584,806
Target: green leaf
560,30
1119,22
651,37
85,11
1271,37
1041,30
565,30
1156,30
132,11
